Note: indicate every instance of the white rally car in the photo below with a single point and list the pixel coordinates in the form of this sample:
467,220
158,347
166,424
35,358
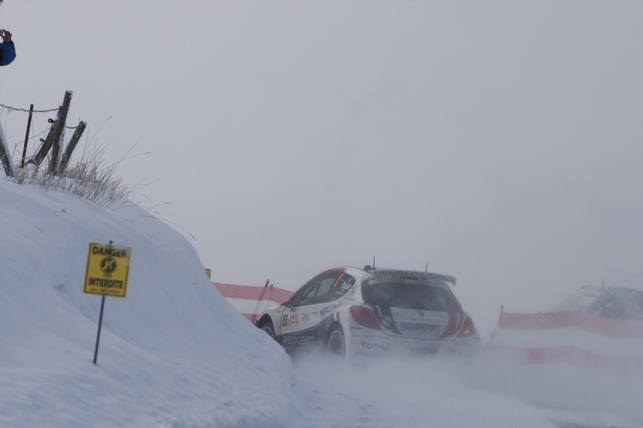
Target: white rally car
366,312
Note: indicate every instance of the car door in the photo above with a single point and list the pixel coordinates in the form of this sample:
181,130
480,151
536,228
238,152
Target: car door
306,311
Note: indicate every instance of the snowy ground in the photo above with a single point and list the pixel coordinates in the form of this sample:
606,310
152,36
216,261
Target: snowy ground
485,394
175,354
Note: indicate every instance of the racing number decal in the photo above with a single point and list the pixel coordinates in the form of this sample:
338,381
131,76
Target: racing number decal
293,320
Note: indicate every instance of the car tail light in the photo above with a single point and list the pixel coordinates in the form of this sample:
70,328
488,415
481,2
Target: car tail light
468,329
452,326
364,317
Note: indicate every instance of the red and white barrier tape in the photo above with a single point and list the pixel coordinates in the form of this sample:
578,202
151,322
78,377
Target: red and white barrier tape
251,300
576,338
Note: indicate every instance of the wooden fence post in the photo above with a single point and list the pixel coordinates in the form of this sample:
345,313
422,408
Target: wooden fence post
7,162
71,146
46,145
24,150
59,128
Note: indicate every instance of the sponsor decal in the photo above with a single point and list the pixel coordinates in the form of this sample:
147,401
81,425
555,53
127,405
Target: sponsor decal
290,320
328,309
424,351
375,346
298,340
279,309
346,286
387,321
305,317
366,336
414,275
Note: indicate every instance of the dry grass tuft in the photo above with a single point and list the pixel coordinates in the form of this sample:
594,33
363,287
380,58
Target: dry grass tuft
89,178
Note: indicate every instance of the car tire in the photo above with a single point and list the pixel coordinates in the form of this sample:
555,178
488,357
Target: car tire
267,326
336,344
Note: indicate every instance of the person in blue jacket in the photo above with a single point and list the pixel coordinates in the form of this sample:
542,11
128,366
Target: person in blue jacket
7,49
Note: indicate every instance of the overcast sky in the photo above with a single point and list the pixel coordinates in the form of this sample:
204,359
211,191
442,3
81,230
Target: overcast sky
500,141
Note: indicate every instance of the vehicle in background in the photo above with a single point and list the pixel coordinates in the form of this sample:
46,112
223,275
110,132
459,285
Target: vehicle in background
354,312
612,302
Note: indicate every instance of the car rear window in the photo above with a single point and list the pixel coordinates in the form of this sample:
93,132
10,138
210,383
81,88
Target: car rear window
579,301
420,296
623,308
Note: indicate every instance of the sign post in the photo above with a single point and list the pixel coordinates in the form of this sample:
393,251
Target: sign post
100,324
106,275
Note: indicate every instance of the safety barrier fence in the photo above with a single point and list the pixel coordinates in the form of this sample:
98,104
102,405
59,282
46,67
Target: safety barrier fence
251,300
576,338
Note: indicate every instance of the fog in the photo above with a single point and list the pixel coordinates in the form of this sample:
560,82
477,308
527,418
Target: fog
498,141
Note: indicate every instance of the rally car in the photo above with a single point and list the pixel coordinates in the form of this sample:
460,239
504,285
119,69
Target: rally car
353,312
612,302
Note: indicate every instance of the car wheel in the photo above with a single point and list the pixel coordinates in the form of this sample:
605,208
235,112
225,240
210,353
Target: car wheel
266,325
336,344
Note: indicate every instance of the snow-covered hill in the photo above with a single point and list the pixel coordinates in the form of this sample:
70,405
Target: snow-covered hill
171,352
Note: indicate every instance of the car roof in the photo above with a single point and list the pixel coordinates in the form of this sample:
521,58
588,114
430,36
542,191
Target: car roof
615,291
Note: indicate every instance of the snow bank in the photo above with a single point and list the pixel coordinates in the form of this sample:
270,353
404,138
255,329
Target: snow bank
173,353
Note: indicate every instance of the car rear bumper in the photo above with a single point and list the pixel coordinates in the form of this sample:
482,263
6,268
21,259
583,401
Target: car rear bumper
365,342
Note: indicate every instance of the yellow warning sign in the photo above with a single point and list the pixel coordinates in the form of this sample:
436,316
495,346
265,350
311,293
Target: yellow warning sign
107,270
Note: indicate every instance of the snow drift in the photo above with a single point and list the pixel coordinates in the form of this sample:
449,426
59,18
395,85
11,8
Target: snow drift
173,352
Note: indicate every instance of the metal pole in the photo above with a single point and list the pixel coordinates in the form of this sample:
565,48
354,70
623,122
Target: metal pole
24,150
100,323
600,299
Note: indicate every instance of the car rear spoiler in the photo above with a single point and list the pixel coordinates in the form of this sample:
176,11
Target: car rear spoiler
412,274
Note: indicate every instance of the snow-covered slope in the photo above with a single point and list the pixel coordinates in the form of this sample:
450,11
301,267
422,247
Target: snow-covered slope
171,352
